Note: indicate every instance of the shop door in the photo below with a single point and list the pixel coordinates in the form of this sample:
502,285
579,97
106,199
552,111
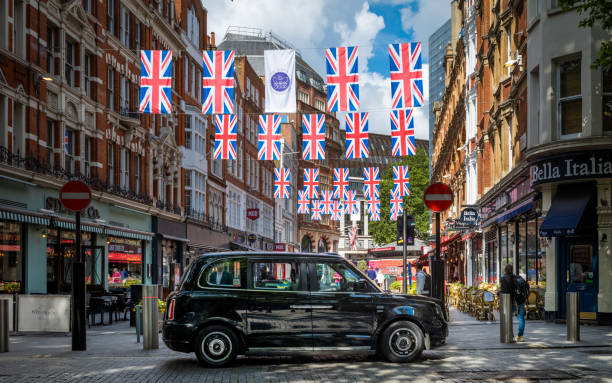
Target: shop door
94,267
579,273
64,267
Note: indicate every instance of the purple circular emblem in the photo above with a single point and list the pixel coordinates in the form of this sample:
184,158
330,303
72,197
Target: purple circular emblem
280,81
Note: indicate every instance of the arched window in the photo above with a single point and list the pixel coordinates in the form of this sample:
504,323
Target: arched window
306,244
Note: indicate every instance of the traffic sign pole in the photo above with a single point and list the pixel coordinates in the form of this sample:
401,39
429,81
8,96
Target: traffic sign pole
76,196
79,336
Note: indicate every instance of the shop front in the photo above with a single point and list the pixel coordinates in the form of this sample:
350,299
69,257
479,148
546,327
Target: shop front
38,236
575,231
168,251
203,239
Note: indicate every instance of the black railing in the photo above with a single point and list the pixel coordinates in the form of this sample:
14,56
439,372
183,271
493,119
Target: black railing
35,165
211,222
168,207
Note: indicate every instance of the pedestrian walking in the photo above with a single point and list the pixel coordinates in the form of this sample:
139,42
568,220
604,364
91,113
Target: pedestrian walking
423,281
380,278
371,274
518,288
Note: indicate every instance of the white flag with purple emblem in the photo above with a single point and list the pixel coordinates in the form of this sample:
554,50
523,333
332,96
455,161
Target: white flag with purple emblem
280,81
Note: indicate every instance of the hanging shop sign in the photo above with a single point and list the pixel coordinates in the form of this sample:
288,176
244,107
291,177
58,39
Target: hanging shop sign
570,166
253,214
469,216
280,247
252,238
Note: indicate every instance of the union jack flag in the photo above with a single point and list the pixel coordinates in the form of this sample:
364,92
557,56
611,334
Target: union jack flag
225,137
313,136
396,205
357,142
353,237
342,79
269,144
303,202
341,176
401,179
282,182
155,82
371,183
402,133
351,204
374,210
316,210
406,72
337,211
327,201
311,182
218,82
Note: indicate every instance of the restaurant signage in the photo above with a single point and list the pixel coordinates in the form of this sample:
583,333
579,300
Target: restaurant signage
469,216
252,238
280,247
581,165
52,203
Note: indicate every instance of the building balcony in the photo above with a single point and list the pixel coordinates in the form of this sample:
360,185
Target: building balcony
167,206
207,220
36,166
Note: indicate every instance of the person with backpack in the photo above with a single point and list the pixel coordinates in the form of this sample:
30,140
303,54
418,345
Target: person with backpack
518,288
423,281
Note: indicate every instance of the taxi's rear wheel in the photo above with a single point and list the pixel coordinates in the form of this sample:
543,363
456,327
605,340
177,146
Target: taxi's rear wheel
216,346
401,342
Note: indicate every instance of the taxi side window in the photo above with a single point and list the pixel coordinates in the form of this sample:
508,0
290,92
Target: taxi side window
225,273
275,275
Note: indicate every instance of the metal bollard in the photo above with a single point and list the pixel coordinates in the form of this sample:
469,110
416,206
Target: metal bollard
150,336
138,323
4,325
506,334
572,304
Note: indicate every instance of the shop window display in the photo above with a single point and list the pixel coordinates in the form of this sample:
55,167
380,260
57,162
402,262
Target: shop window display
11,257
124,261
532,250
522,248
60,253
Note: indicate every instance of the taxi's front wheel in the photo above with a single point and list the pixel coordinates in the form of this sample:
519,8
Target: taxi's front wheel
401,342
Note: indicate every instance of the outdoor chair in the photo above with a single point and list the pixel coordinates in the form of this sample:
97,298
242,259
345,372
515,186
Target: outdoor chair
531,305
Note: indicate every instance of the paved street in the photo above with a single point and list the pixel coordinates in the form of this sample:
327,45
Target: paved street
473,353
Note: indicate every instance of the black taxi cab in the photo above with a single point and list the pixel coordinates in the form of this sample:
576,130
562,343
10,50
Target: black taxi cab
241,303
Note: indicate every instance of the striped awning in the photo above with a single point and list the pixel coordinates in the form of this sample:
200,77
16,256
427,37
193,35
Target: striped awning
9,215
128,234
72,226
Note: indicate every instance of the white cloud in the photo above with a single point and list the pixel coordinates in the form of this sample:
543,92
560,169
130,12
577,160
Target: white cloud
429,16
367,26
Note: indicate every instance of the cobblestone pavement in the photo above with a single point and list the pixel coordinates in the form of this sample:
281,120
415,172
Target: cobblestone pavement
473,354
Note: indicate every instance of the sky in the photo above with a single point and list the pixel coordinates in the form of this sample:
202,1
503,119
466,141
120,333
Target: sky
311,26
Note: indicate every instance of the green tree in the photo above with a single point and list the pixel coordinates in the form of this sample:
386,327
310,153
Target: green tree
597,12
362,265
385,231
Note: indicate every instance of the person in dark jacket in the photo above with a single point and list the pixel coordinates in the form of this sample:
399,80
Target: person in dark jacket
508,286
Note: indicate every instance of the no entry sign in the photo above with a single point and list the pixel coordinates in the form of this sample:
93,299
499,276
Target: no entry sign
75,196
438,197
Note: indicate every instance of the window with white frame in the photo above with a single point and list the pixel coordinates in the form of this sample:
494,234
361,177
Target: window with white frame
217,168
125,169
268,228
110,16
320,104
52,34
124,97
125,27
188,131
303,96
19,28
110,158
186,74
215,205
510,143
607,102
70,150
137,160
193,81
89,144
88,73
51,124
535,106
110,84
569,98
136,44
70,62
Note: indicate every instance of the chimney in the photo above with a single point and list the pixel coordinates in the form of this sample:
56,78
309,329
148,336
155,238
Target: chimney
455,23
212,39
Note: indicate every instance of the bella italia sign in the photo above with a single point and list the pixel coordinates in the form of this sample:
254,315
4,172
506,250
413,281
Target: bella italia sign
569,166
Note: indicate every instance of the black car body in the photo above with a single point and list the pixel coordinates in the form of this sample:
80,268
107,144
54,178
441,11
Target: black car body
237,303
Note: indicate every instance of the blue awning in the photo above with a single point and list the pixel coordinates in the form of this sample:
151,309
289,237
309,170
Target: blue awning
515,211
566,211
